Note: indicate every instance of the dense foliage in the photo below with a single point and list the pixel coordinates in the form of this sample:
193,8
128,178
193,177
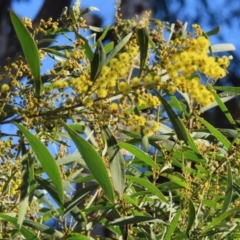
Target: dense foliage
149,166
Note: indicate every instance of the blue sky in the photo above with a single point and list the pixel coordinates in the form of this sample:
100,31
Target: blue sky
107,10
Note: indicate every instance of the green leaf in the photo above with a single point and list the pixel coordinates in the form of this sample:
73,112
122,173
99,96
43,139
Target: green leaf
119,46
148,185
25,187
176,180
78,197
108,47
77,236
133,220
85,46
223,107
46,40
145,143
173,225
103,35
191,216
25,232
45,158
93,161
139,154
229,190
77,127
55,52
51,190
117,166
175,120
43,229
87,10
32,181
218,135
143,38
220,219
30,50
214,31
98,61
228,89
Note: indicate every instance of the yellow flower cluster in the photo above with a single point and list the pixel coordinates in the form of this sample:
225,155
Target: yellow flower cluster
27,22
189,56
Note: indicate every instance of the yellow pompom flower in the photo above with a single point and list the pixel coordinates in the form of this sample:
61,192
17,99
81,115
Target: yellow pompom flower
112,75
147,132
88,102
147,79
142,120
135,129
113,108
155,127
124,57
58,84
101,93
105,70
114,63
135,81
5,88
122,86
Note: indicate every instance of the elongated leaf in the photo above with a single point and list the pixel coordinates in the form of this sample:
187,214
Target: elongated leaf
43,228
117,166
175,120
46,40
229,190
30,50
103,35
145,143
214,104
132,220
80,195
93,161
87,10
148,185
220,219
78,236
54,52
223,47
143,40
25,232
119,46
98,61
139,154
214,31
228,89
25,187
75,211
108,47
176,180
191,216
31,179
86,47
218,135
223,107
45,158
173,225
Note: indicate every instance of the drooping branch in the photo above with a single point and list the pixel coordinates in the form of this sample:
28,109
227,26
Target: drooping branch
8,41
